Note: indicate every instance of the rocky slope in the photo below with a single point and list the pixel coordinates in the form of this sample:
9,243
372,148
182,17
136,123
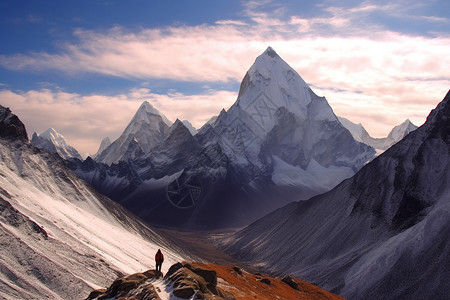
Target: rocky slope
207,281
59,237
383,234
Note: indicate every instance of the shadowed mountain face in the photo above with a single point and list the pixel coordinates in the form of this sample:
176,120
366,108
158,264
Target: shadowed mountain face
12,127
279,142
383,234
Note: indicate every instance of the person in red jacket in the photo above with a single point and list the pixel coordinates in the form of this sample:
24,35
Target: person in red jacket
159,258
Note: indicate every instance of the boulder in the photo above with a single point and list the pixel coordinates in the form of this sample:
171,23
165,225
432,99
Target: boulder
189,281
135,286
291,282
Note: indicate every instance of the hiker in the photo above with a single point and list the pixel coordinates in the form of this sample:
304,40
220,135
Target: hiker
159,258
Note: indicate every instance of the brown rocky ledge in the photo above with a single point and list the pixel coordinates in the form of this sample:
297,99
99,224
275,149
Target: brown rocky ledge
209,281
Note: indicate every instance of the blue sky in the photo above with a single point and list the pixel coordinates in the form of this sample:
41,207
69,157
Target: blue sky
84,67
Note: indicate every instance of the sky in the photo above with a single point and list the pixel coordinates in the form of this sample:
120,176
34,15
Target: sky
85,67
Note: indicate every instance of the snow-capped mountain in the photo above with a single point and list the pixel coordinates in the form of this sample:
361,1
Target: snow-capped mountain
54,142
383,234
60,238
147,129
360,134
278,116
277,138
106,142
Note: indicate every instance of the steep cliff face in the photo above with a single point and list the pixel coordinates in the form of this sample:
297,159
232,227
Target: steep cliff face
12,127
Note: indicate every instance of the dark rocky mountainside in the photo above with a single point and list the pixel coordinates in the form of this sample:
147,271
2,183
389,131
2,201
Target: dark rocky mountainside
11,127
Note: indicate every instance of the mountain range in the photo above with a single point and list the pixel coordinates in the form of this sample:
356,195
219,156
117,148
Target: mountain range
360,134
279,138
63,240
365,224
382,234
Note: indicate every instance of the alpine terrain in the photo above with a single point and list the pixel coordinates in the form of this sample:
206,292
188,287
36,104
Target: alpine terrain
59,237
53,142
62,240
360,134
277,143
382,234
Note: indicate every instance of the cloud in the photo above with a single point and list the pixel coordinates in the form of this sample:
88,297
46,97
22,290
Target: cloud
368,73
86,120
231,22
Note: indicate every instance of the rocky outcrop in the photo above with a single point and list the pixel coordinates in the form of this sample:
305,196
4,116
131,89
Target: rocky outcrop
207,281
10,126
138,286
189,281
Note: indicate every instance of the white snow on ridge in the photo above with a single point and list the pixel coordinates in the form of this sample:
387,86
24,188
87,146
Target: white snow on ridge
144,110
54,142
275,84
360,134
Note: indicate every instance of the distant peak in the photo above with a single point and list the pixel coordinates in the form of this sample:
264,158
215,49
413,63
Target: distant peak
269,51
145,109
146,103
49,133
407,121
146,106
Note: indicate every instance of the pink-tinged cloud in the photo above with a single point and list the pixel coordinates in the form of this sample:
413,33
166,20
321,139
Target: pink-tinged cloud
86,120
368,74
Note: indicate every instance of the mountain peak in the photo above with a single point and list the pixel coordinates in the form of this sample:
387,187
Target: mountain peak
269,51
106,142
51,132
147,129
54,142
11,126
147,109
